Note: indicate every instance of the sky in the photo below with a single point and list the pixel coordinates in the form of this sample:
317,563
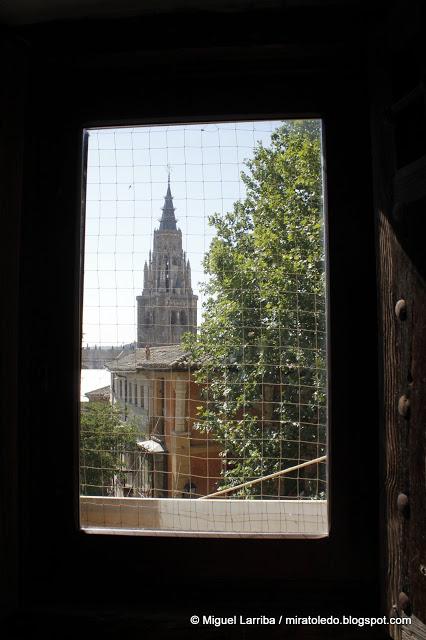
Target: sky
126,184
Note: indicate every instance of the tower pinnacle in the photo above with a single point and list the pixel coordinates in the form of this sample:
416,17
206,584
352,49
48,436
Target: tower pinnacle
168,220
167,307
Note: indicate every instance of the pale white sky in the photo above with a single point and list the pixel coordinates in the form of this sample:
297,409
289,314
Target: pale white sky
126,185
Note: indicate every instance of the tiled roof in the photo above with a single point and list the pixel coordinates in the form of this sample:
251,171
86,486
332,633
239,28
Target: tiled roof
167,357
103,392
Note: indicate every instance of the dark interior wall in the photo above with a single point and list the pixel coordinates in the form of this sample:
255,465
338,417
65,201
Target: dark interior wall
170,68
12,104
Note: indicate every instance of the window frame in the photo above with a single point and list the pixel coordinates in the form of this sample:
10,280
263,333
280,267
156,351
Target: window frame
56,134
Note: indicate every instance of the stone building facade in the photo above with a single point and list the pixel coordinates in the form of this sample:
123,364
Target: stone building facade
167,307
172,458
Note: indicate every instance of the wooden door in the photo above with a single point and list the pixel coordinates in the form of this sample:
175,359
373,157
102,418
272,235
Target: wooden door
399,150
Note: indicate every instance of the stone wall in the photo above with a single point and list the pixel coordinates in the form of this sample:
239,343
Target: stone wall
96,357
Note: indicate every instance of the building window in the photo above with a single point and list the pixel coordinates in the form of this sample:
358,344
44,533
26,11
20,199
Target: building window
223,222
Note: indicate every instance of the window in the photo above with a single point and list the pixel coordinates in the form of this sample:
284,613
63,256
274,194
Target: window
85,76
223,222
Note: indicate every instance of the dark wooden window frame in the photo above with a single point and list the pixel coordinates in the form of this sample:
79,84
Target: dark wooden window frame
147,84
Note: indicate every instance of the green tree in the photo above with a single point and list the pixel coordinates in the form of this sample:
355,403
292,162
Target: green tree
104,442
260,352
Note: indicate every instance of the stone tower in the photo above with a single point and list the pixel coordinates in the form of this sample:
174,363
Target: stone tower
167,307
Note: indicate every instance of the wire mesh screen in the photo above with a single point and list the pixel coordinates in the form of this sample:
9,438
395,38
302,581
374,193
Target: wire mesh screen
204,341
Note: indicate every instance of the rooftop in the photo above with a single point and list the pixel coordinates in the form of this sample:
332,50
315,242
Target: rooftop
102,392
166,357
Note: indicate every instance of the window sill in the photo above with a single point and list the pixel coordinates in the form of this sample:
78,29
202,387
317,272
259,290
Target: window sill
204,518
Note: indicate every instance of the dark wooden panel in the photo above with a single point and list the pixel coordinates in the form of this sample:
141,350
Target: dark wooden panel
401,228
414,631
416,379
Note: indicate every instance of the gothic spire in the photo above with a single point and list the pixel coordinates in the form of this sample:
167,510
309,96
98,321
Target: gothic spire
168,220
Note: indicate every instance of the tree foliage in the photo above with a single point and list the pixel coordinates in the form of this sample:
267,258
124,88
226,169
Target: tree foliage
260,349
104,441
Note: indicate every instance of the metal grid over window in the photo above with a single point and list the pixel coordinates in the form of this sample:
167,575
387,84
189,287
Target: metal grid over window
204,303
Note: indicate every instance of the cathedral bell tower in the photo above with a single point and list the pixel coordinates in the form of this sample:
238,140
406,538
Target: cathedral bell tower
167,307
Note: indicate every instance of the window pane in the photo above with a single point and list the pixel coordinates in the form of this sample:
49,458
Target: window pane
204,368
